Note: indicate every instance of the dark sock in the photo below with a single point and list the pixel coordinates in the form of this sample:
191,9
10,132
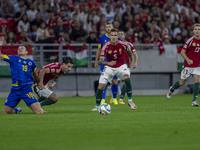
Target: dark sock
114,90
175,86
40,99
16,110
46,102
123,91
128,87
195,91
99,94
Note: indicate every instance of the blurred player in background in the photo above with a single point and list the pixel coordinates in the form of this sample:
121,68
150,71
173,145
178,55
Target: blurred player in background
51,72
191,54
114,50
22,80
128,62
103,39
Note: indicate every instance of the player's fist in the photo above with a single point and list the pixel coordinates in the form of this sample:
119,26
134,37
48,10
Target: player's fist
41,86
134,65
96,65
112,63
190,62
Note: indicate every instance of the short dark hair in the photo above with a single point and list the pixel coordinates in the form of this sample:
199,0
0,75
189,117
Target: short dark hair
114,30
67,60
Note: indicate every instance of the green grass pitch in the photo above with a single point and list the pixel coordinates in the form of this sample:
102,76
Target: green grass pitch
157,124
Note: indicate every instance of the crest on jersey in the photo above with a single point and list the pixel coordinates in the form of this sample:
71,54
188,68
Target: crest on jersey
102,74
110,52
184,76
193,44
30,63
185,46
120,50
102,53
105,40
20,60
52,70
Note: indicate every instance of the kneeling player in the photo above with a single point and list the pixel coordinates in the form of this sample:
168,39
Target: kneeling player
51,72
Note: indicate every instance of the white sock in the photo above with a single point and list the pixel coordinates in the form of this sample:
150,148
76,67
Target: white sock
103,100
129,100
121,100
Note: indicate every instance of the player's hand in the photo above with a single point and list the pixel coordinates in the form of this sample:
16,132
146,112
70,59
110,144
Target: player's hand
190,62
41,86
51,85
134,65
96,65
1,40
112,63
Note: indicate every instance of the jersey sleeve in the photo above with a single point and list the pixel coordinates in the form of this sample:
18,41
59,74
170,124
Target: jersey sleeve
34,66
104,50
8,59
100,42
132,48
186,45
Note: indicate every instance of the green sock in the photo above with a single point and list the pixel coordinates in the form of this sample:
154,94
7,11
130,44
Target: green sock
175,86
99,95
195,91
46,102
128,87
123,91
40,99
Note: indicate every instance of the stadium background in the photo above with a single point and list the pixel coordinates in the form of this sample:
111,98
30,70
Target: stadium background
157,28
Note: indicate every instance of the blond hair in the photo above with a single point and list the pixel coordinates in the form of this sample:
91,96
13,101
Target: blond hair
196,25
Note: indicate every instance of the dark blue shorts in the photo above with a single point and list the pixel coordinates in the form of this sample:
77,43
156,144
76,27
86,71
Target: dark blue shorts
24,94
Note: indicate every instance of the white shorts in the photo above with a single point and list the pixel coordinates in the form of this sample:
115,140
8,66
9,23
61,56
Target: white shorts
43,93
187,71
108,73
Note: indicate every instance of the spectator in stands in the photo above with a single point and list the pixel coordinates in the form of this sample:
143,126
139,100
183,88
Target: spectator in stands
37,21
54,3
140,37
96,18
18,5
33,34
184,35
127,26
76,31
102,30
102,6
190,21
31,13
117,12
48,3
76,10
38,5
156,15
64,38
11,38
94,28
51,33
116,25
92,38
83,15
178,39
109,15
154,27
108,2
183,15
162,14
56,14
156,38
93,5
135,5
28,4
44,14
130,36
180,29
122,6
147,40
18,15
82,38
59,28
51,22
67,10
137,20
7,10
179,5
144,4
163,30
82,4
23,24
88,24
64,19
71,22
172,14
127,13
166,39
23,39
147,24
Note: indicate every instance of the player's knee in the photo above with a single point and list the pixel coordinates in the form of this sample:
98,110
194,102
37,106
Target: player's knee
114,81
39,112
55,99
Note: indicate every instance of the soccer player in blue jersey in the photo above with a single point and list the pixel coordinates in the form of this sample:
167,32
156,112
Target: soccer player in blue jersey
22,80
103,39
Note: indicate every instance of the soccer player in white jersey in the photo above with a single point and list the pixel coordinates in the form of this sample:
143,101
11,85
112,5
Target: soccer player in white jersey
134,65
191,66
115,50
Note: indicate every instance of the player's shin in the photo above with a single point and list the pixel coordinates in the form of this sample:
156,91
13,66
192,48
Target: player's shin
115,90
123,91
175,86
99,94
46,102
195,91
128,88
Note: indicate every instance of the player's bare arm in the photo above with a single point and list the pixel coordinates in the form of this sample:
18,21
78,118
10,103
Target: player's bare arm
97,58
189,61
134,65
104,63
1,44
130,55
41,77
51,85
35,75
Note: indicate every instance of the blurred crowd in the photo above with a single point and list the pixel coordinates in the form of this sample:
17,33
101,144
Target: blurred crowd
83,21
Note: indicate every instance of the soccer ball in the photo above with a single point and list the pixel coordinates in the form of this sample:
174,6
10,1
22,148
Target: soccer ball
104,109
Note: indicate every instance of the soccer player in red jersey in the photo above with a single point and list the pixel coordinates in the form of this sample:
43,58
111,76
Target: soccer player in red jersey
134,65
191,53
115,65
48,73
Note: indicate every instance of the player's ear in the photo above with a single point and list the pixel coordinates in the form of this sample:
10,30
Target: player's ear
26,52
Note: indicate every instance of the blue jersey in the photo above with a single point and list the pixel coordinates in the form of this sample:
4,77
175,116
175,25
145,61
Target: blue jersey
21,71
103,39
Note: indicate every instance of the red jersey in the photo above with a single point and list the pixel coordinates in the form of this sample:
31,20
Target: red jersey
55,72
65,22
51,23
192,47
127,58
115,53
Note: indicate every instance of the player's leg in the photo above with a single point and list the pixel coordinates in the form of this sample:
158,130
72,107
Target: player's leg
114,90
123,91
52,99
104,91
196,89
185,74
36,108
